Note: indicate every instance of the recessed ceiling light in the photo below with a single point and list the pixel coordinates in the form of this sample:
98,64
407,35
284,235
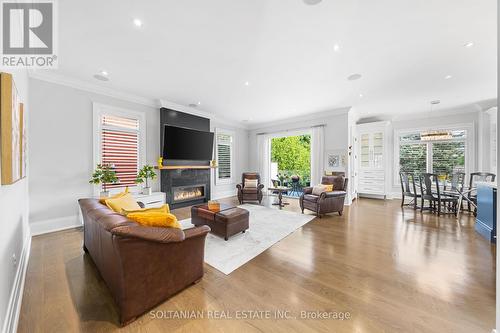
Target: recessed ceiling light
199,103
447,77
104,73
247,83
312,2
192,105
137,23
435,102
354,77
336,47
469,45
101,77
360,95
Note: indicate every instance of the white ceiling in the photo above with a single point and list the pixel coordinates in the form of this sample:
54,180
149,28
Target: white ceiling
198,50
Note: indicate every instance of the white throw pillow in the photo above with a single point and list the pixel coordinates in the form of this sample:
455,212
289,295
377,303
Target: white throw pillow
250,183
318,189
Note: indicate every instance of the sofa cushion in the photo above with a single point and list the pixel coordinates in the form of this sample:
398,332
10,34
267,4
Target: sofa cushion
249,190
311,197
163,209
126,202
155,219
318,189
102,200
251,183
160,235
113,220
336,181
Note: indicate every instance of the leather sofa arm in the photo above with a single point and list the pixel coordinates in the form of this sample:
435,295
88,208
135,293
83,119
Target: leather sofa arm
308,190
260,187
201,230
153,234
333,194
239,186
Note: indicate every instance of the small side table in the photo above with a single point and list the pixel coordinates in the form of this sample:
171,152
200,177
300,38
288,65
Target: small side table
280,190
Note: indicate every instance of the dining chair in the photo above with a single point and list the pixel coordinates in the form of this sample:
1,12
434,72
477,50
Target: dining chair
407,185
456,185
433,194
457,181
474,178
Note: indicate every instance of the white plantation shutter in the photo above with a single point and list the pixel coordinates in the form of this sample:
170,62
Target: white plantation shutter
120,147
224,157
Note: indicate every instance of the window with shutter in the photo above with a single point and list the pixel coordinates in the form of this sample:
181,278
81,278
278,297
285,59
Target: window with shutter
119,137
224,149
120,147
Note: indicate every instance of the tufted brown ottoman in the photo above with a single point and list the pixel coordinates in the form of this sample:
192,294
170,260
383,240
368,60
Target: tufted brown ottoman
228,221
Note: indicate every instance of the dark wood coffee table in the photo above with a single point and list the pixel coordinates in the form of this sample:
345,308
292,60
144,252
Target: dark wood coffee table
227,221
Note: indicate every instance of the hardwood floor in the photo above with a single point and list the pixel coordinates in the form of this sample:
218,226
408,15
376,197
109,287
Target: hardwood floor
393,270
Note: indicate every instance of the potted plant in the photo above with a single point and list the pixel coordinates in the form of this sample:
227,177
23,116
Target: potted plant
104,174
282,176
147,172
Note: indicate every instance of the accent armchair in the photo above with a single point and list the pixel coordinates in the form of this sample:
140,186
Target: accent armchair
250,193
327,202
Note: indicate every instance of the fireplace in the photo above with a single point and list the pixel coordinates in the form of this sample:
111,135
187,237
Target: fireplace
188,193
185,187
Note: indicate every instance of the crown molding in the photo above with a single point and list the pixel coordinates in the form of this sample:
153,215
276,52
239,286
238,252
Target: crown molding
67,81
300,118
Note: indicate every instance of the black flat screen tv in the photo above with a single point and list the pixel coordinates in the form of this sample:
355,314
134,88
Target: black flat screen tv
187,144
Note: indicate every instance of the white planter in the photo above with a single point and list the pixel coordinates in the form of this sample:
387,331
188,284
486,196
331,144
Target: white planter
147,191
104,194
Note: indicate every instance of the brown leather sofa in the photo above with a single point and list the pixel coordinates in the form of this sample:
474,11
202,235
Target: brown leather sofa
250,194
327,202
142,266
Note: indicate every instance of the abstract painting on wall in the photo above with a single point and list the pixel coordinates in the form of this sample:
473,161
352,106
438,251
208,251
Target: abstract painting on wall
12,130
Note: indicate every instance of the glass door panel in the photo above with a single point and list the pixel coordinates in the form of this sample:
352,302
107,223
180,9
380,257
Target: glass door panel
378,150
365,151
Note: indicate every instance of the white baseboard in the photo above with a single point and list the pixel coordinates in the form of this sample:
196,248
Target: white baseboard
57,224
16,294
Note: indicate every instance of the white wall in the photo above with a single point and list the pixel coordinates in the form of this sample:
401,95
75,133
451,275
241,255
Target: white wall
240,147
15,230
62,151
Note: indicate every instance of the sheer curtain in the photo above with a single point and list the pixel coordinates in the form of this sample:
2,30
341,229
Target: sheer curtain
264,153
317,154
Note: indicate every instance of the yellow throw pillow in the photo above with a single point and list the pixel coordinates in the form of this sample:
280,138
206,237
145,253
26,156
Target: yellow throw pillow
126,202
328,188
118,195
163,209
155,219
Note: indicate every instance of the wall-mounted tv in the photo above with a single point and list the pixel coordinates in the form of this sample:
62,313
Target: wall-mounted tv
187,144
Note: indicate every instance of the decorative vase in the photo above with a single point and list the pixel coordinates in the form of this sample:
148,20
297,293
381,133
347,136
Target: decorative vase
104,194
147,191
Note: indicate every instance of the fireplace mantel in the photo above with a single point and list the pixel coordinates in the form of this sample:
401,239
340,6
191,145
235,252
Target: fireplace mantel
177,167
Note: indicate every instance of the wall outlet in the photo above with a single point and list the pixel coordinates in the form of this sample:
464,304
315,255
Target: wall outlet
14,260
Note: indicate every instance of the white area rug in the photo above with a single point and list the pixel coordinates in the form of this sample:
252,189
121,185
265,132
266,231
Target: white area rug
267,227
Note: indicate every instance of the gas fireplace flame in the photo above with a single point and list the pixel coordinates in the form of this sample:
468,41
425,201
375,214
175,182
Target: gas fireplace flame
188,194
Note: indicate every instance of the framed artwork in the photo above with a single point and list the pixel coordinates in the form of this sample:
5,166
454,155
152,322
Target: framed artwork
24,144
335,160
11,130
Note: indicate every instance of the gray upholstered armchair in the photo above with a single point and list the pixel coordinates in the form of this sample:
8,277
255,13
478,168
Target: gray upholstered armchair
250,193
327,202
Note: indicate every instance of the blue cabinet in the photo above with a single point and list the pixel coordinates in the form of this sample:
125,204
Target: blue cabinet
486,220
